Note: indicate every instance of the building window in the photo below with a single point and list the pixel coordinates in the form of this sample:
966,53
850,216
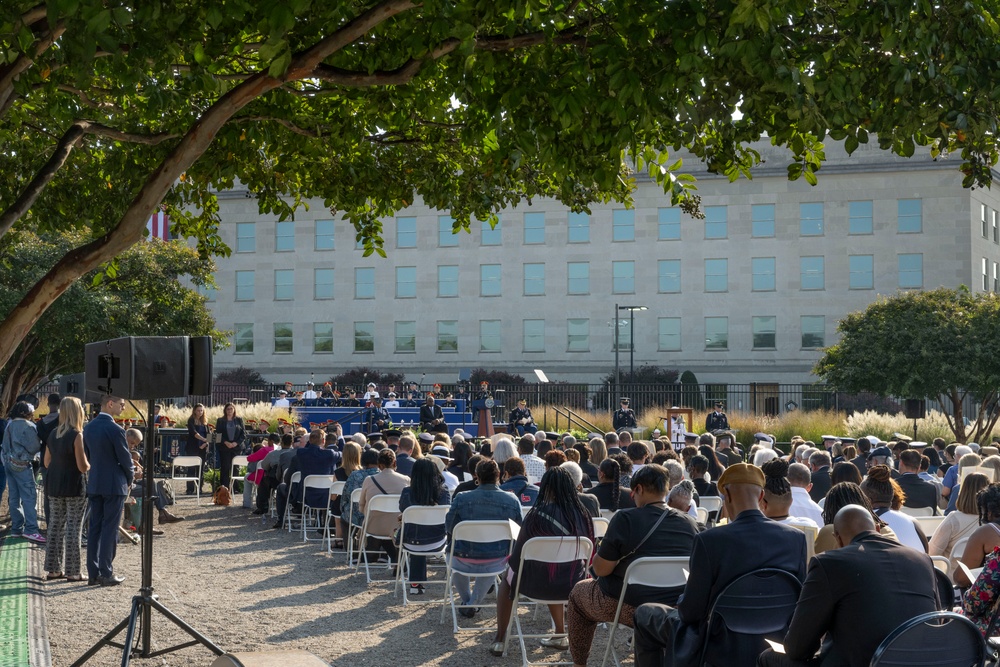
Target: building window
364,336
489,280
813,331
624,335
623,277
716,275
861,269
284,284
996,230
578,278
489,335
406,337
284,236
762,220
322,283
324,235
622,225
208,291
534,280
764,332
669,334
577,335
246,237
406,232
716,224
406,282
812,273
283,343
364,283
447,281
909,216
984,221
446,236
996,278
579,228
669,224
986,275
669,275
716,333
244,338
491,235
322,337
762,274
447,336
859,217
245,286
533,335
534,228
811,219
911,271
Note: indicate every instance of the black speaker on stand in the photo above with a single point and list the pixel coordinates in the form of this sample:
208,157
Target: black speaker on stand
148,368
915,408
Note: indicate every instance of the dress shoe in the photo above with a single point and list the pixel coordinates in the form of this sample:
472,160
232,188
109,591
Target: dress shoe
110,581
157,531
167,517
92,581
259,512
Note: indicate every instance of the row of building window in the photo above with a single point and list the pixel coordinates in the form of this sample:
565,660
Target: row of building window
812,276
990,224
812,222
763,330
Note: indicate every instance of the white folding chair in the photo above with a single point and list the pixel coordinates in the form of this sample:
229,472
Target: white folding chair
524,510
187,462
418,515
600,527
607,514
387,504
811,534
958,550
543,550
942,563
289,513
917,511
474,531
321,513
239,462
336,489
712,503
928,524
352,529
658,572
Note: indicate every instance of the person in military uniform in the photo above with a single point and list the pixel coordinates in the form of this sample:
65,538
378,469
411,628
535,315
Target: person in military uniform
481,395
414,397
521,419
624,417
352,399
716,421
326,395
378,417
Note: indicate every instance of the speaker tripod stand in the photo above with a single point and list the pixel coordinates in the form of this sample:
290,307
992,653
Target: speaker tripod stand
146,601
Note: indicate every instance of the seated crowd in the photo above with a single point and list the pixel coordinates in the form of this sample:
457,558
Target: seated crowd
851,503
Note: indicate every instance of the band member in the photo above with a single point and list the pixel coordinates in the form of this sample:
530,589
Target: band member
370,394
431,417
414,396
289,388
378,417
327,394
449,400
392,402
624,417
352,399
717,421
521,419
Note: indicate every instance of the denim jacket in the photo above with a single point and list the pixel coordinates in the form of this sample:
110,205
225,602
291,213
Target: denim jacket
486,503
20,442
350,512
418,534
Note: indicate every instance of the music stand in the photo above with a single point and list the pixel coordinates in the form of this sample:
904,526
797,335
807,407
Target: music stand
146,601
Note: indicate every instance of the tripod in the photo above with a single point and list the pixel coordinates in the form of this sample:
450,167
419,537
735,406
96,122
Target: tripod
145,602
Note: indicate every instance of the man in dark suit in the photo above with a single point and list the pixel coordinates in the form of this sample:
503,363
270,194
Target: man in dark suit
404,454
313,459
431,417
861,460
855,595
111,475
919,492
758,541
819,463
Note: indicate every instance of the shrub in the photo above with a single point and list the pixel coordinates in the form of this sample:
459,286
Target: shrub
691,396
934,425
248,411
495,378
240,375
358,378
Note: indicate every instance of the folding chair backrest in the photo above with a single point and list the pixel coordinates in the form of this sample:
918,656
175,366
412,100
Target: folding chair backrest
355,496
917,511
958,550
811,533
296,477
240,461
703,515
942,639
607,514
711,503
600,527
384,503
318,482
481,531
184,462
758,603
658,571
557,549
337,488
425,515
928,524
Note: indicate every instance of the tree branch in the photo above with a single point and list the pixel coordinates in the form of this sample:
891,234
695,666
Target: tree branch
129,137
86,99
312,134
11,72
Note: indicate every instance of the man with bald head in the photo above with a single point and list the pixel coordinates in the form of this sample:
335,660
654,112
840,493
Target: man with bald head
750,541
855,595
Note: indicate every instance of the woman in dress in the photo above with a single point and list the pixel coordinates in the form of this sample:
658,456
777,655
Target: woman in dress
66,487
197,440
231,428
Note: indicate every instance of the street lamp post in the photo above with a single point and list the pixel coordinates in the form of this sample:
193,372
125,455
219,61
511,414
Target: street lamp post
631,346
615,320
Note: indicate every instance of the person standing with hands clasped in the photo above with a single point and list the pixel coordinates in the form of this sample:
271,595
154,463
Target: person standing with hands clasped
66,488
197,442
233,434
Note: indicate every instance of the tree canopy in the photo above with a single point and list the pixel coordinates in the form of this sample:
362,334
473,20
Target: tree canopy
941,344
112,108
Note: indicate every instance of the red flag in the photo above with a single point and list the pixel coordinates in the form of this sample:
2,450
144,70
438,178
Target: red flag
159,226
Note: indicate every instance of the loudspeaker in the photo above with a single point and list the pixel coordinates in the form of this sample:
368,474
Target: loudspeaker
200,366
915,408
139,367
76,385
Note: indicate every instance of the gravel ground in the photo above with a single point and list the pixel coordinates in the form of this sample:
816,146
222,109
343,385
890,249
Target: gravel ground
249,588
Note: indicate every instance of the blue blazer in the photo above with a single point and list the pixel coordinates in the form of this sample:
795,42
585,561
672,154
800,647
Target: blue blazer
111,471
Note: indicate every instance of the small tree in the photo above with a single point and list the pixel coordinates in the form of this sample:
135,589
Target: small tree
241,375
357,378
495,378
691,392
941,344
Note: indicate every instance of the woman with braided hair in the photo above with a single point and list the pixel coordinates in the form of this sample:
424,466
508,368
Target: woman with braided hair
886,498
608,488
841,495
777,499
986,537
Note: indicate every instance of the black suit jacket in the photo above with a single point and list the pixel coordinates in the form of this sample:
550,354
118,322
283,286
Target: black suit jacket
429,413
820,484
919,492
861,463
723,554
859,594
241,434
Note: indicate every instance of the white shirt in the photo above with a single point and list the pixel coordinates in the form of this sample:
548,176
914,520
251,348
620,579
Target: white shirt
391,404
450,480
534,468
803,506
905,528
800,521
281,403
309,394
370,395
